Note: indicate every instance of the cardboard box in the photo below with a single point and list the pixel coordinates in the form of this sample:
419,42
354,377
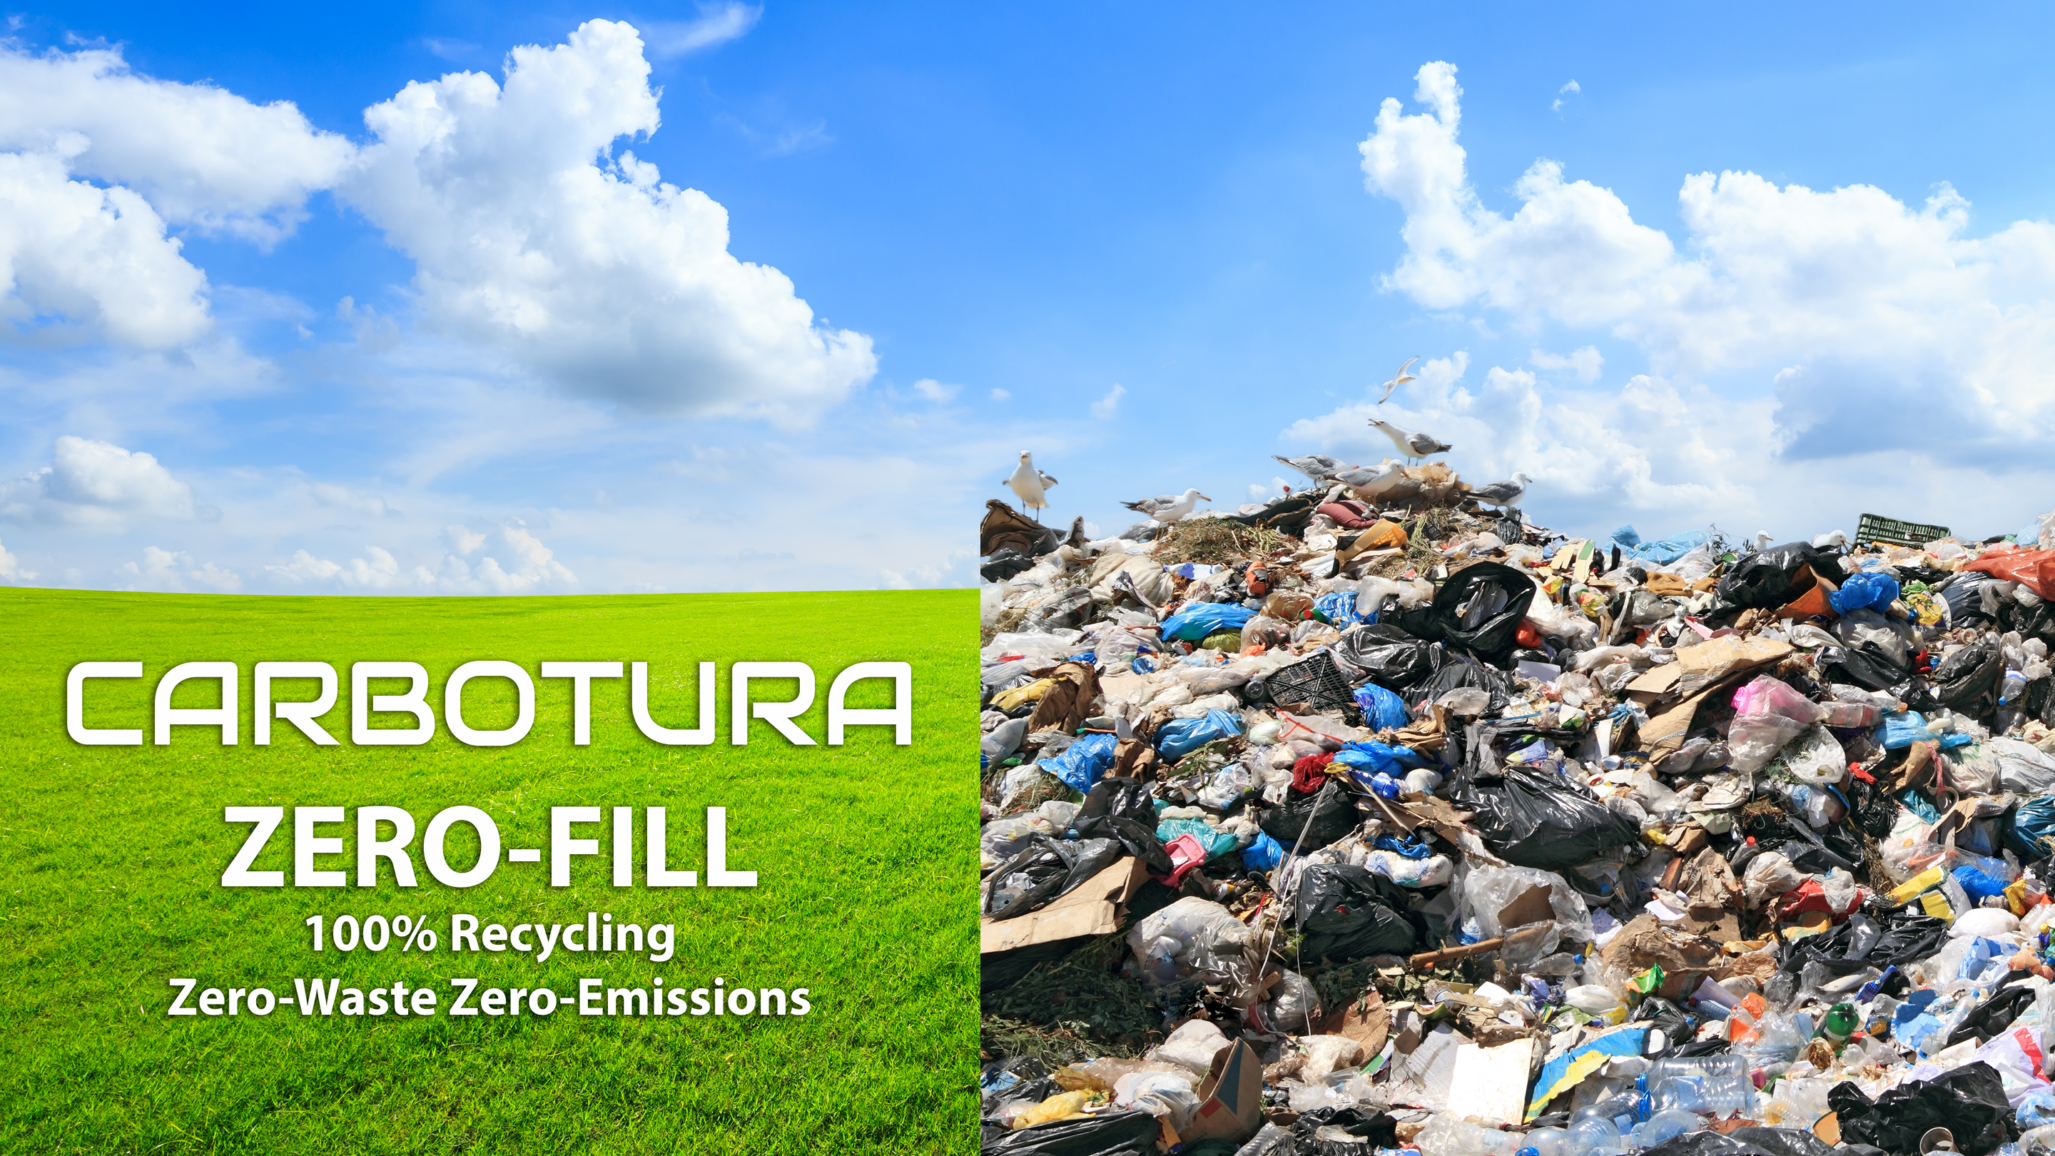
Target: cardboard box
1096,907
1231,1098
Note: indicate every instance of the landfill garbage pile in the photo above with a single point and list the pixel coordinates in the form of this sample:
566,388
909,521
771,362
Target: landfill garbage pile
1365,821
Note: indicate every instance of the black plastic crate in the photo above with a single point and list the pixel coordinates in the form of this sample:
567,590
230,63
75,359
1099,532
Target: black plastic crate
1876,528
1316,681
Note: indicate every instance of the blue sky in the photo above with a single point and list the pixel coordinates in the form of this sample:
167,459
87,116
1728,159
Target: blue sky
474,348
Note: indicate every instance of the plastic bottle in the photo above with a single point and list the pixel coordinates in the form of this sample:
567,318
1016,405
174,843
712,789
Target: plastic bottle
1287,607
1838,1024
1708,1085
1850,715
1664,1126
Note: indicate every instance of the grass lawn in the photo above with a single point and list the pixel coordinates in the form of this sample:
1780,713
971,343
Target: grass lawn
111,859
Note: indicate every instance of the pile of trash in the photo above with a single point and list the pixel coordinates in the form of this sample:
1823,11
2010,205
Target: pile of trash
1356,822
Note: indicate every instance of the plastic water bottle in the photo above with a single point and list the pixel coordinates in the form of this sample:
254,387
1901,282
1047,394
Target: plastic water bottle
1664,1126
2013,686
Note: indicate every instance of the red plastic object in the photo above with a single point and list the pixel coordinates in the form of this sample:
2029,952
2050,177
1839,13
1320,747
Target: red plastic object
2034,569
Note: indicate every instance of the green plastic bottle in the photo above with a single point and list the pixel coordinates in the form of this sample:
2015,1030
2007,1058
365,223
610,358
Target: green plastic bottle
1839,1023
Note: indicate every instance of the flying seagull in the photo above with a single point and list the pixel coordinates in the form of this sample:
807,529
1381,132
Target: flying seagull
1319,467
1031,484
1168,508
1400,378
1504,495
1413,445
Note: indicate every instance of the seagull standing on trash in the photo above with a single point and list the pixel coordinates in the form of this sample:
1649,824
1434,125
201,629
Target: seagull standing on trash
1168,508
1835,540
1362,477
1763,538
1413,445
1031,484
1400,378
1504,495
1319,467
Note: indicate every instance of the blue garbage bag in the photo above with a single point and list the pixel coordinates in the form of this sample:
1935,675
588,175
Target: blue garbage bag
1081,764
1365,760
1977,885
1180,737
1382,709
1901,730
1659,553
1338,608
1263,854
1874,591
2033,827
1199,619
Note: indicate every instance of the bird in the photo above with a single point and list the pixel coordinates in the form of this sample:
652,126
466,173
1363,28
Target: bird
1413,445
1763,538
1504,495
1400,378
1830,541
1319,467
1031,484
1168,508
1363,477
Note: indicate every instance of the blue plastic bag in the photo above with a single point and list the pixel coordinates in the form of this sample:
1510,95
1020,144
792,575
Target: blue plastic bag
1660,553
1977,885
1199,619
1901,730
1081,764
1338,608
2033,827
1382,709
1263,854
1872,591
1366,760
1180,737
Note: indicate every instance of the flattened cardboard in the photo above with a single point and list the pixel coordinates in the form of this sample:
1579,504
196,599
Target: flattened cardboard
1490,1084
1530,906
1094,908
1231,1098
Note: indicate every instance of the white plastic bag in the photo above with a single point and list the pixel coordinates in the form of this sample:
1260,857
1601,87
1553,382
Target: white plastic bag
1816,758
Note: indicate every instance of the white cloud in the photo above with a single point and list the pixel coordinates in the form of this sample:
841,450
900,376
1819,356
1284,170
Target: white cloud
95,257
934,390
201,155
1565,90
1853,307
163,569
717,24
530,567
345,498
1108,405
588,270
1001,395
1585,362
98,486
465,541
10,567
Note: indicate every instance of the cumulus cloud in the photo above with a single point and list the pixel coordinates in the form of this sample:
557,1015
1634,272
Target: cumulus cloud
1109,405
201,155
97,486
10,567
1846,305
1585,362
162,569
934,390
532,238
530,567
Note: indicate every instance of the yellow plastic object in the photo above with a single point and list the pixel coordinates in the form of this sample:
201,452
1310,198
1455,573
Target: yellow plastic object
1936,905
1008,700
1909,890
1061,1106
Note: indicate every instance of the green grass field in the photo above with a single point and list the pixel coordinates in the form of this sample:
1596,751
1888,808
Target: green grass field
111,858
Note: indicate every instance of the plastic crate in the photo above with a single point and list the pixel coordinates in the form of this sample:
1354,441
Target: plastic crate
1316,681
1876,528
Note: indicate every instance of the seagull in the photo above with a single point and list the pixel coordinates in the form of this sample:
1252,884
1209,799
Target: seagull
1763,538
1400,378
1031,484
1413,445
1319,467
1504,495
1362,477
1168,508
1830,541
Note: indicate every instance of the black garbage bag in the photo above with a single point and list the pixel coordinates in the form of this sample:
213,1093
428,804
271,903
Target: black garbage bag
1324,816
1029,879
1344,912
1764,579
1908,936
1973,597
1537,818
1005,564
1393,659
1452,670
1785,1141
1866,666
1968,1101
1967,682
1111,1134
1368,1129
1477,611
1663,1016
1707,1143
1995,1014
1124,809
1088,858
